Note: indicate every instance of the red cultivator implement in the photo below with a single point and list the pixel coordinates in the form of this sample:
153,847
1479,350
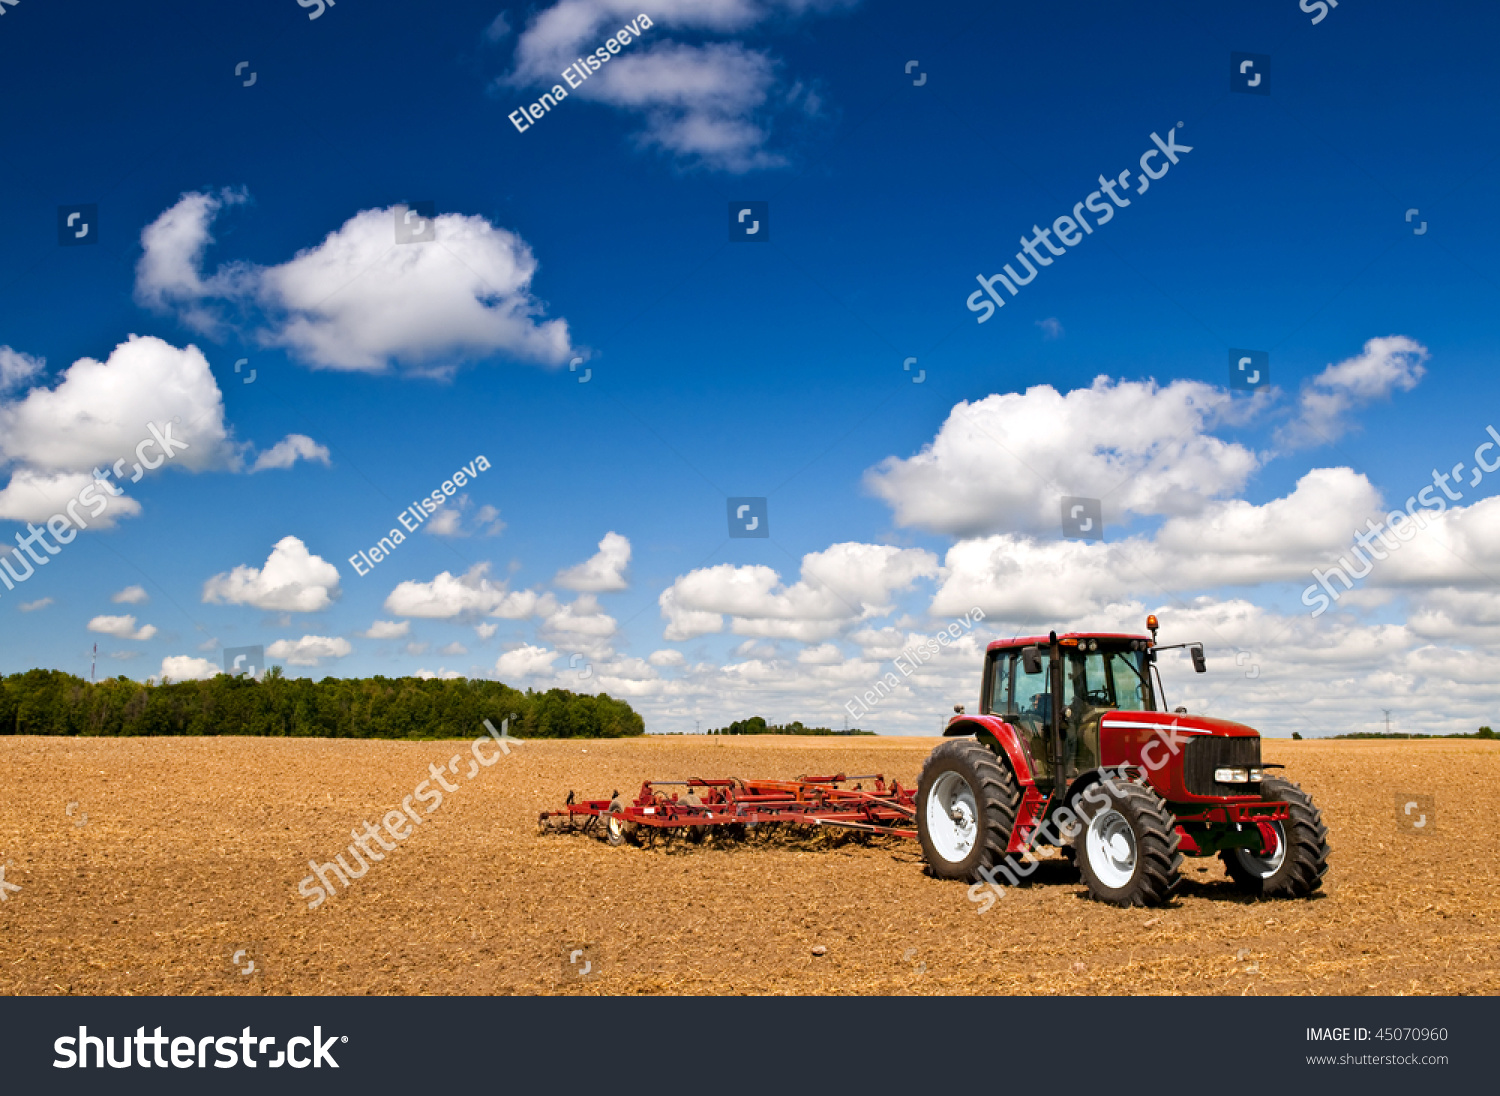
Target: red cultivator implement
733,807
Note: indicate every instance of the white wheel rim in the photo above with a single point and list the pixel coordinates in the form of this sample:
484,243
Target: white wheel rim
615,829
1110,846
1265,866
952,817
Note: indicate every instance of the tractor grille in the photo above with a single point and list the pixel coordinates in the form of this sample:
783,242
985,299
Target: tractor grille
1203,755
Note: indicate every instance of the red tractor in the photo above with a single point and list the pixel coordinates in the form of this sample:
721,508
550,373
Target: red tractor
1073,748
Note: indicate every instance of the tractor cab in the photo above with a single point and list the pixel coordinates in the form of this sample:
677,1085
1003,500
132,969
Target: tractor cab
1096,674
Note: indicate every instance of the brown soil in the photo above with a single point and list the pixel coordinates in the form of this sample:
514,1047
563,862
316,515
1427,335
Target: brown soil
193,850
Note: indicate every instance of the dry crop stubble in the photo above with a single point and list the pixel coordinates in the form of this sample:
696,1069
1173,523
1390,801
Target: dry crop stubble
193,847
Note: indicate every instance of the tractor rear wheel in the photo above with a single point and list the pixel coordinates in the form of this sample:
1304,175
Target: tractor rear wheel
1295,867
966,808
1127,851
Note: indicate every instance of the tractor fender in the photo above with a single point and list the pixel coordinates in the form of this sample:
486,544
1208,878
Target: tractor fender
999,736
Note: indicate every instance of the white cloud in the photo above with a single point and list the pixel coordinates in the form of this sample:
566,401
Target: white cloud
486,630
121,627
293,580
453,649
1385,366
474,592
488,520
526,661
289,450
309,650
581,627
711,104
186,668
360,301
441,675
842,584
38,496
17,368
34,606
387,629
99,412
1005,462
603,572
415,648
167,274
444,523
131,595
1051,328
667,657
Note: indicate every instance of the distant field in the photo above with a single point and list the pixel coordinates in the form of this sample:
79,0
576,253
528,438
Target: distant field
193,848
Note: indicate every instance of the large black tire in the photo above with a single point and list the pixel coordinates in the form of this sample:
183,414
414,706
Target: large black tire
1297,871
983,791
1128,853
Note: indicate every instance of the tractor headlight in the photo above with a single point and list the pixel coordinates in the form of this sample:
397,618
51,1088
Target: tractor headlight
1235,776
1255,776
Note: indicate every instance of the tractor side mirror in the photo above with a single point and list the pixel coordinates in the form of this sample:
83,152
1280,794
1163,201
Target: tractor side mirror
1031,660
1199,664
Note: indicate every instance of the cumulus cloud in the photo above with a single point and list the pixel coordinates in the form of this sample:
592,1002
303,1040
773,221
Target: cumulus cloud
453,649
309,650
842,584
186,668
667,657
387,629
473,593
602,572
360,301
34,606
293,580
131,595
17,368
289,450
1005,462
99,412
706,103
525,661
1385,366
121,627
37,496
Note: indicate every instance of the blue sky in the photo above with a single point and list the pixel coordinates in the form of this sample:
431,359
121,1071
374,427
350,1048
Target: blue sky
257,223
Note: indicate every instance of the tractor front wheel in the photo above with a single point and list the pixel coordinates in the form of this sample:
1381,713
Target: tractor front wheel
1294,867
966,807
1127,852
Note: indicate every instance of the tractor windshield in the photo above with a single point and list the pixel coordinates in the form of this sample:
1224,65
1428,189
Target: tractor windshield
1113,680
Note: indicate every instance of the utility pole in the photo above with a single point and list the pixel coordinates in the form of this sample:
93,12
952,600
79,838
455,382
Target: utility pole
1387,712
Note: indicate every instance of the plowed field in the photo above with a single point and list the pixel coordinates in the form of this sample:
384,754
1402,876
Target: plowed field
167,866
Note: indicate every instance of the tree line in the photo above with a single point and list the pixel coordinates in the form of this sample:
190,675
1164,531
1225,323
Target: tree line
50,702
757,725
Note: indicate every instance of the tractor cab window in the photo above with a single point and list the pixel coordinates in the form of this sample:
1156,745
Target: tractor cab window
1112,680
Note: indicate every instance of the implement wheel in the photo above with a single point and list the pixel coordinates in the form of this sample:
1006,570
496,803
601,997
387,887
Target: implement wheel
1127,852
966,808
617,829
1295,867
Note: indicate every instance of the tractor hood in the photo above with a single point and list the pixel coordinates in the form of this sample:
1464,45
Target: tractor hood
1169,723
